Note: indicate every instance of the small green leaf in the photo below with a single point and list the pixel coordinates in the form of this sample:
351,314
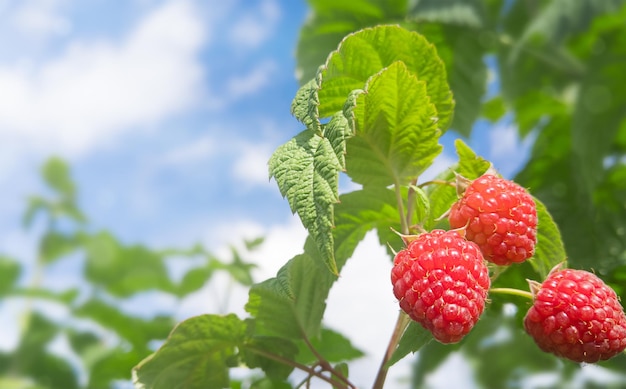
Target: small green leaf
422,205
337,131
305,106
10,272
367,52
494,109
138,332
470,166
415,336
56,173
124,270
306,170
396,135
194,355
55,245
292,304
549,251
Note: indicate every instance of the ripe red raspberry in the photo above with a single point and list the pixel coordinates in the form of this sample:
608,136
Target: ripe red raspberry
575,315
441,280
501,217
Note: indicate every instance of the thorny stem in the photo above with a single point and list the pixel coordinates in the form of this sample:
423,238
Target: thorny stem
311,371
403,222
512,291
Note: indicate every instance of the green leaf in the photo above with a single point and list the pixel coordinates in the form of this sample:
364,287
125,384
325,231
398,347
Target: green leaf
367,52
549,251
194,355
415,336
10,272
255,354
306,170
56,173
396,136
468,13
124,270
361,211
494,109
292,304
333,346
138,332
329,21
55,245
305,106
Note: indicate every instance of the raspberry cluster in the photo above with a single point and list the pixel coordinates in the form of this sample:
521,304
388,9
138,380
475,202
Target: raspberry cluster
441,278
500,216
441,281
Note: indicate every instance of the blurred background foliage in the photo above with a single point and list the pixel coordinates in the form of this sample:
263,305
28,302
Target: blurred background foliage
105,340
559,70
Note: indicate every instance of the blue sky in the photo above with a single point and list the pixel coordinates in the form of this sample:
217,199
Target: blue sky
167,112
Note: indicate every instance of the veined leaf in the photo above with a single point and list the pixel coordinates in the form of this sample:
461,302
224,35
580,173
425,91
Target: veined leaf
361,211
331,20
549,251
306,170
365,53
304,106
291,305
396,135
194,356
332,345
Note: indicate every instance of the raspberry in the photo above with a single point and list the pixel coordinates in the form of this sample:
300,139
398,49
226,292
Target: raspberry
575,315
500,216
441,280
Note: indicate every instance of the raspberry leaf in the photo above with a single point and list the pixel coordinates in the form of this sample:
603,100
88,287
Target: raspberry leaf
415,336
304,106
396,133
291,305
549,250
332,345
362,54
194,356
306,169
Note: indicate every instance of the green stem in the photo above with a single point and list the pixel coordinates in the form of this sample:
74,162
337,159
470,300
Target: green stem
511,291
311,371
403,319
401,325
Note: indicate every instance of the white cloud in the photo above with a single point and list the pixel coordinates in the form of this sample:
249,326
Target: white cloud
251,166
255,27
252,82
96,90
36,18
